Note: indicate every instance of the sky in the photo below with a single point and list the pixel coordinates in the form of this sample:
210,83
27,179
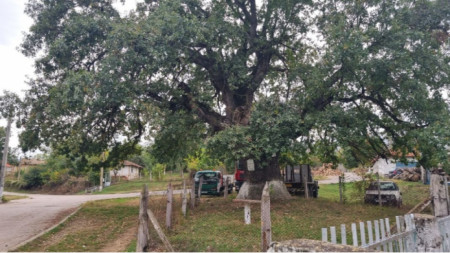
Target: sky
15,68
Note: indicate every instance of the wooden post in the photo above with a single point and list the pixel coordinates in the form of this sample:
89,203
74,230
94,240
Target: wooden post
160,232
305,181
169,206
341,199
439,195
101,179
143,236
4,158
200,184
192,193
184,202
225,194
266,225
247,214
379,191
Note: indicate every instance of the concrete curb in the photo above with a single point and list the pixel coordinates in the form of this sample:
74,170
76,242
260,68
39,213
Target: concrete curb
46,230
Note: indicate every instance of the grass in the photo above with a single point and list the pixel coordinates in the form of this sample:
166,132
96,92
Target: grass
136,185
218,223
7,198
96,227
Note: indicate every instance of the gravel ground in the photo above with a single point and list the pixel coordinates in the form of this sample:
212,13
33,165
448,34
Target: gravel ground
349,177
23,219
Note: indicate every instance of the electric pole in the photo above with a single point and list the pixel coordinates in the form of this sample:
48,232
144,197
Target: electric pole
4,159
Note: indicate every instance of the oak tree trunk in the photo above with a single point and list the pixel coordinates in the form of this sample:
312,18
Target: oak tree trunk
265,171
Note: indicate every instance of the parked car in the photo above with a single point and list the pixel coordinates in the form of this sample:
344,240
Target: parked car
213,183
389,191
239,175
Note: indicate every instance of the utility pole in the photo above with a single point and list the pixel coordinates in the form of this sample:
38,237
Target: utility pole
4,159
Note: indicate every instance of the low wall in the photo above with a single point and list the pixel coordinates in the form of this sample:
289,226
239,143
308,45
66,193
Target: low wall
306,245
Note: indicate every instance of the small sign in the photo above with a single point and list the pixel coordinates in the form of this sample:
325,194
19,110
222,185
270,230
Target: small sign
250,165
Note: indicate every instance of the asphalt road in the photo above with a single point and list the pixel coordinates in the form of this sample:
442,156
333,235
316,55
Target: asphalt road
23,219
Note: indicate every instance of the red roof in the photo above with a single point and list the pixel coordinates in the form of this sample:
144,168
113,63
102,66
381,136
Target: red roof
128,163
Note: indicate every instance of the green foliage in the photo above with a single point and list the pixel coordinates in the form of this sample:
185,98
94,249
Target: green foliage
361,186
242,77
158,171
12,153
202,160
93,177
33,178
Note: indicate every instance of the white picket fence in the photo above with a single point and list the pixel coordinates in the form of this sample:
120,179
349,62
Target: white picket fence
376,235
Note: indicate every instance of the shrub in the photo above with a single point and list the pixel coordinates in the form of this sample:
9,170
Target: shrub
158,171
361,186
33,178
93,177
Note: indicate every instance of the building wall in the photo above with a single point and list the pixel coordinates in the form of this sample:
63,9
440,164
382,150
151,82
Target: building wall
383,167
129,172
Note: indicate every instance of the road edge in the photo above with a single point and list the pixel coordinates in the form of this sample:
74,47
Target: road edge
46,230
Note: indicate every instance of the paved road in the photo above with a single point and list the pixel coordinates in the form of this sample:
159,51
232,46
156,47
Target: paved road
22,219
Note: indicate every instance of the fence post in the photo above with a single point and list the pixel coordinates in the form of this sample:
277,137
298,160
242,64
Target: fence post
225,194
341,199
200,184
247,214
439,195
184,201
399,230
143,236
169,206
192,193
266,226
305,180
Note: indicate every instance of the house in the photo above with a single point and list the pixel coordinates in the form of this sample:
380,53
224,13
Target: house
129,170
9,169
25,164
384,166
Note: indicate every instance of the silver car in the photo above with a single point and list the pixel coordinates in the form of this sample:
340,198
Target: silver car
389,191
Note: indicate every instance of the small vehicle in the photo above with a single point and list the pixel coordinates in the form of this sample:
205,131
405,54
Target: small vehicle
213,183
389,191
239,175
293,177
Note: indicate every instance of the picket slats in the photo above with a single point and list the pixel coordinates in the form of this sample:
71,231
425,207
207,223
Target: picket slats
354,235
377,234
343,235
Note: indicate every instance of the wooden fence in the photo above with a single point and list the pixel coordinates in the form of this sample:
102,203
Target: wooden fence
377,235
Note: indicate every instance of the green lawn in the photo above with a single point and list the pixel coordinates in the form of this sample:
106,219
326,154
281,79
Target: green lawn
218,223
136,185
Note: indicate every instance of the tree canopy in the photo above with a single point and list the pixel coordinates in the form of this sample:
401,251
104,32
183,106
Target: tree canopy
253,78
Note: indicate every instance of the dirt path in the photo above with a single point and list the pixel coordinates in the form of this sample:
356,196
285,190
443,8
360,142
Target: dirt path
349,177
23,219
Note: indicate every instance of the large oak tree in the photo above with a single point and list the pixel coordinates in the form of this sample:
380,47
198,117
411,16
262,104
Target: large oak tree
255,78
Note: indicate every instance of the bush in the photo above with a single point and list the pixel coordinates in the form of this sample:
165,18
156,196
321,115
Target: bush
33,178
158,171
93,177
361,186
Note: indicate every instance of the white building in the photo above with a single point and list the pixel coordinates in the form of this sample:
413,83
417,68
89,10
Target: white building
129,170
384,166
